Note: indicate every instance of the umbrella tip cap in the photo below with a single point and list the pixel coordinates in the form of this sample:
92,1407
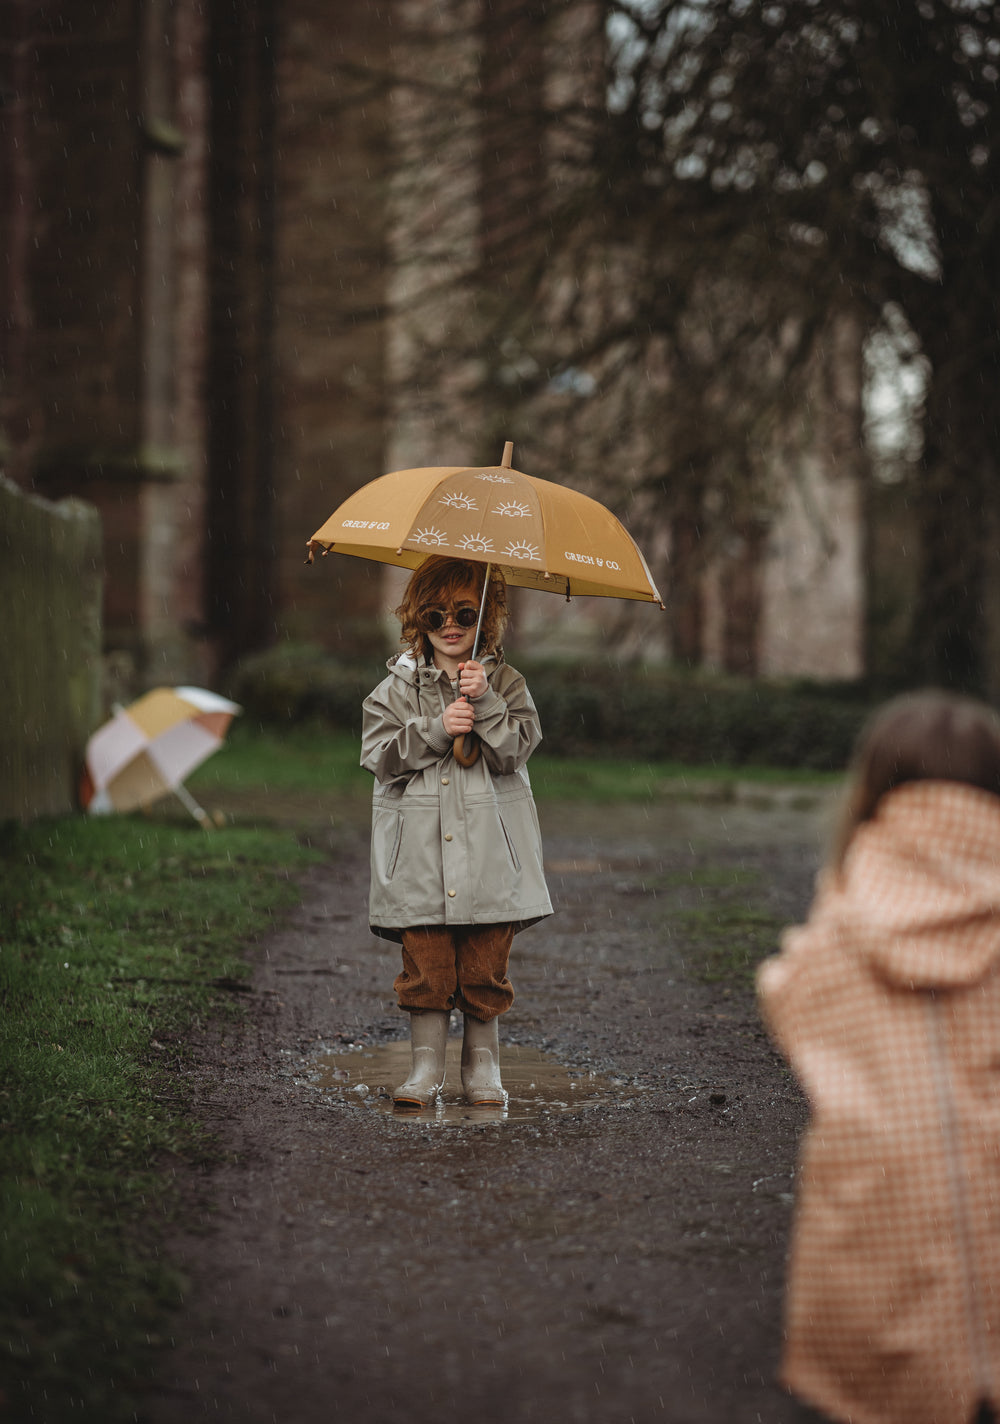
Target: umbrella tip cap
508,455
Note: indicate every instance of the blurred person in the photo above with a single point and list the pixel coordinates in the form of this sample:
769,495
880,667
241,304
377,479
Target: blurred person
456,856
886,1003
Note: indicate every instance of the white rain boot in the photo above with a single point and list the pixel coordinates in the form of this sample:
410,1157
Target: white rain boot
481,1064
428,1041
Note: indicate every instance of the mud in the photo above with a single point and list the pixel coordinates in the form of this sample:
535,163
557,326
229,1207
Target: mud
619,1258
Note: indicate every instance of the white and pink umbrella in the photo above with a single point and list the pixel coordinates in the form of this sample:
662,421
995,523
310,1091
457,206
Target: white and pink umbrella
148,748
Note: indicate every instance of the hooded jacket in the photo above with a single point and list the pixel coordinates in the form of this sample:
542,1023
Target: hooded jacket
887,1005
451,845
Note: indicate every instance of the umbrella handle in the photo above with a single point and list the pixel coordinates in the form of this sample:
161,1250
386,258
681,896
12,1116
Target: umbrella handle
463,757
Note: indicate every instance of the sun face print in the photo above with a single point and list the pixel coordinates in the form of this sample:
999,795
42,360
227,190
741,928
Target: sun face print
435,538
517,549
456,500
514,509
495,479
475,544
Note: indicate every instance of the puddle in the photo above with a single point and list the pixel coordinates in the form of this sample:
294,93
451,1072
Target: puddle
538,1085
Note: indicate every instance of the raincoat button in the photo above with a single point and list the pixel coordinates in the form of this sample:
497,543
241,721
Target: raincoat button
444,781
447,835
451,894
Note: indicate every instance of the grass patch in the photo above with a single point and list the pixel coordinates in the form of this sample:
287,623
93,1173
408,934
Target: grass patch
117,937
606,779
305,759
300,759
718,923
726,937
728,941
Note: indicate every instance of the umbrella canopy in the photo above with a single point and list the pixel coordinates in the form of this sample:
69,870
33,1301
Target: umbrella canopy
148,748
542,535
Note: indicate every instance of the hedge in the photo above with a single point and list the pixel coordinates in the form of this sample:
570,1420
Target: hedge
654,713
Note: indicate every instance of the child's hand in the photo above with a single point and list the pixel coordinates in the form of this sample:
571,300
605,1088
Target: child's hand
458,718
471,679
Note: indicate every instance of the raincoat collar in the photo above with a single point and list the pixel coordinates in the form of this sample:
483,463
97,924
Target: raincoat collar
921,883
415,671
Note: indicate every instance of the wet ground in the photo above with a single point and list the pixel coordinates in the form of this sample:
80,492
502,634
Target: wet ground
536,1085
609,1249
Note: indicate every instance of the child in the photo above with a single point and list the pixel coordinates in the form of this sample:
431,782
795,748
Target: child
887,1005
456,857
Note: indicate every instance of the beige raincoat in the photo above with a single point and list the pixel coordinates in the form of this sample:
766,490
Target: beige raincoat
887,1005
451,845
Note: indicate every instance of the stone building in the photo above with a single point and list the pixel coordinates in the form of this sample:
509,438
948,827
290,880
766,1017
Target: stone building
219,235
192,247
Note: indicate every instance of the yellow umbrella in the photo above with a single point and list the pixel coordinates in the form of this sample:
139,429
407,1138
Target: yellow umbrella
541,534
149,747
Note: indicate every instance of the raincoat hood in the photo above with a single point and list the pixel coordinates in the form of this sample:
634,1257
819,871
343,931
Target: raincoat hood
919,894
886,1003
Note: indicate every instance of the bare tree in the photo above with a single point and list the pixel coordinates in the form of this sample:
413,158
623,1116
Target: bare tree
681,206
821,159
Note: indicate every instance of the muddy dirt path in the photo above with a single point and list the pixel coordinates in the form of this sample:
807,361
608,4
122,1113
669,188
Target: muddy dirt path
619,1263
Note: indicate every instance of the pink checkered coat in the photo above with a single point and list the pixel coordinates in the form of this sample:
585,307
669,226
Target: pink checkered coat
887,1006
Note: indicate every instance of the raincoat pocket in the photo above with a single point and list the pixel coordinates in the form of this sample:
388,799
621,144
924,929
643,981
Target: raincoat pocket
387,832
511,848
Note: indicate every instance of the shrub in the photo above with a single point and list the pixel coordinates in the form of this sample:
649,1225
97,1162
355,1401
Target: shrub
295,683
660,714
653,713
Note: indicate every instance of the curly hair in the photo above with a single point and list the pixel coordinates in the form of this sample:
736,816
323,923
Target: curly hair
434,585
921,736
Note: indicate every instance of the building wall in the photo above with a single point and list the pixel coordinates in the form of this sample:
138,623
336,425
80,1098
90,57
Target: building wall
332,132
813,604
228,240
814,577
786,592
92,152
195,283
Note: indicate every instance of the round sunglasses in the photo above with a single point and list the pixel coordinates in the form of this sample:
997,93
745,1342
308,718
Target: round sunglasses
435,618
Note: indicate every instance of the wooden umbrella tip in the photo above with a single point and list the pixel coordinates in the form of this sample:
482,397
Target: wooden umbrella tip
508,454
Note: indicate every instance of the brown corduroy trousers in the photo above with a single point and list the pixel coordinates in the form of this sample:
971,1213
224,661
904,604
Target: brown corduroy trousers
456,966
